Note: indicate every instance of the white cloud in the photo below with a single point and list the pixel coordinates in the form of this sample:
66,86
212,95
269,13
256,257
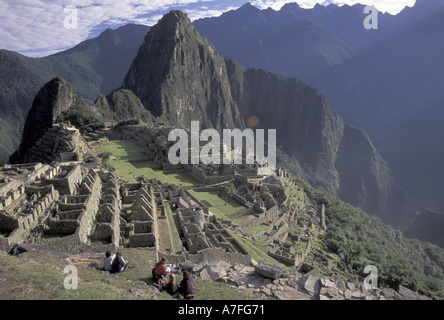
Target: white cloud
391,6
37,28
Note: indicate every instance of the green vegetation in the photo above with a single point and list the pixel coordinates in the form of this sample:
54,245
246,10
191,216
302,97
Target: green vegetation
175,238
40,276
227,190
131,162
256,250
106,160
217,205
360,239
82,118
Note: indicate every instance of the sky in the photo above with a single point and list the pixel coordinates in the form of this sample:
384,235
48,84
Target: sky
37,28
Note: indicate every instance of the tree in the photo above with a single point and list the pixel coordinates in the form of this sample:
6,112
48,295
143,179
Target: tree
227,190
106,160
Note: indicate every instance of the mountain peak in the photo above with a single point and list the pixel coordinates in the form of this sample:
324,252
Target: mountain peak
290,6
52,99
177,75
248,7
176,15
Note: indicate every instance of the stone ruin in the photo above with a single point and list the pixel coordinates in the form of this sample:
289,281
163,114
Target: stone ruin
64,207
155,141
62,142
22,210
170,219
139,215
85,208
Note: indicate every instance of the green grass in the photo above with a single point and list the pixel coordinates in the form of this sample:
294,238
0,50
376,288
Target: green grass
217,205
40,276
254,249
258,228
36,276
130,163
175,238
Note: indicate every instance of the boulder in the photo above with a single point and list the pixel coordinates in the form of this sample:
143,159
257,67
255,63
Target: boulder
312,285
187,266
329,292
387,294
347,294
407,294
238,267
215,270
327,283
291,295
350,286
341,285
268,271
199,267
244,280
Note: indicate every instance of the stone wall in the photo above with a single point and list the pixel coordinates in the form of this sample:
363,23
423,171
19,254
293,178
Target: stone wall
292,258
209,254
108,218
143,232
65,183
207,174
11,196
265,217
59,143
142,240
88,218
17,228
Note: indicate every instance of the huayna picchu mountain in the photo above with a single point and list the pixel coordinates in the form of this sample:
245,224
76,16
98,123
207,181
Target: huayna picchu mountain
180,77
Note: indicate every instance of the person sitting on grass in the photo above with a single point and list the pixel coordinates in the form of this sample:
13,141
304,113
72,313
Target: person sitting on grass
119,264
186,286
159,271
171,286
108,261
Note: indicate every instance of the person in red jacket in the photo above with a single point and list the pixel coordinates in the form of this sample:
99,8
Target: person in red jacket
159,271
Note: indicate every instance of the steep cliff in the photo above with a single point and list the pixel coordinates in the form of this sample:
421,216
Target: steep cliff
180,77
333,155
51,101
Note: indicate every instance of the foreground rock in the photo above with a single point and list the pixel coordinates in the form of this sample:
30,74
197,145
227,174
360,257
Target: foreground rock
268,270
268,282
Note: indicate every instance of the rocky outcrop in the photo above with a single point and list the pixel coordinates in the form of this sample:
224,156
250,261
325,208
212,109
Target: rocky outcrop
268,270
179,76
121,105
51,101
292,286
332,155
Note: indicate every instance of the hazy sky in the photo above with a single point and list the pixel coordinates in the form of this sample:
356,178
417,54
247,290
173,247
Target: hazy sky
41,27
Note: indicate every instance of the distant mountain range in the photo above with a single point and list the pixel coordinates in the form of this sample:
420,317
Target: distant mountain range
428,227
177,76
93,67
387,81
